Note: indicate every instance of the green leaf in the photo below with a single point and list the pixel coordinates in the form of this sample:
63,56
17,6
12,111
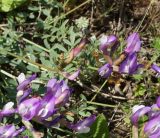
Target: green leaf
99,129
27,133
140,90
33,68
156,43
70,118
84,113
138,77
59,47
8,5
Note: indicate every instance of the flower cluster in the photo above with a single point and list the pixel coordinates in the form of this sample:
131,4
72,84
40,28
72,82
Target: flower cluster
128,64
39,108
152,127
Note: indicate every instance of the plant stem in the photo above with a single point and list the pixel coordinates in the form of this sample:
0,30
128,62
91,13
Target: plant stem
34,63
64,5
36,45
8,74
99,90
79,6
134,131
140,24
101,104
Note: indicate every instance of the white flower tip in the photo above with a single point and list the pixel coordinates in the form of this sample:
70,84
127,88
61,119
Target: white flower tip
20,93
103,39
21,78
9,105
136,108
83,129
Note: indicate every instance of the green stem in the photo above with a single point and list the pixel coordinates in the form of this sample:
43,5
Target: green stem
34,63
99,90
79,6
8,74
140,24
101,104
64,5
62,130
36,45
93,68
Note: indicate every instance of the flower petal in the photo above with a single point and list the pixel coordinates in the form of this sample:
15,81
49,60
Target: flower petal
83,126
130,65
139,113
156,69
72,76
153,126
108,43
26,82
133,43
105,71
29,108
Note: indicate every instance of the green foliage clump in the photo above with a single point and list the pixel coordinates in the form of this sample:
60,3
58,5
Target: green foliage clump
8,5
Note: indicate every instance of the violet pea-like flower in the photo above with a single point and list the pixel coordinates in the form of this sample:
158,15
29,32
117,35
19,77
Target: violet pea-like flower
23,88
60,90
46,107
9,131
105,71
133,43
24,84
130,64
7,110
108,44
152,127
29,108
139,111
72,76
156,69
84,125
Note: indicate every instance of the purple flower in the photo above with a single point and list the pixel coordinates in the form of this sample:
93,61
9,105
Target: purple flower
154,111
23,88
84,125
130,65
108,44
152,128
156,69
9,131
139,111
106,70
57,94
7,110
133,43
47,107
71,76
24,84
29,108
59,90
22,95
